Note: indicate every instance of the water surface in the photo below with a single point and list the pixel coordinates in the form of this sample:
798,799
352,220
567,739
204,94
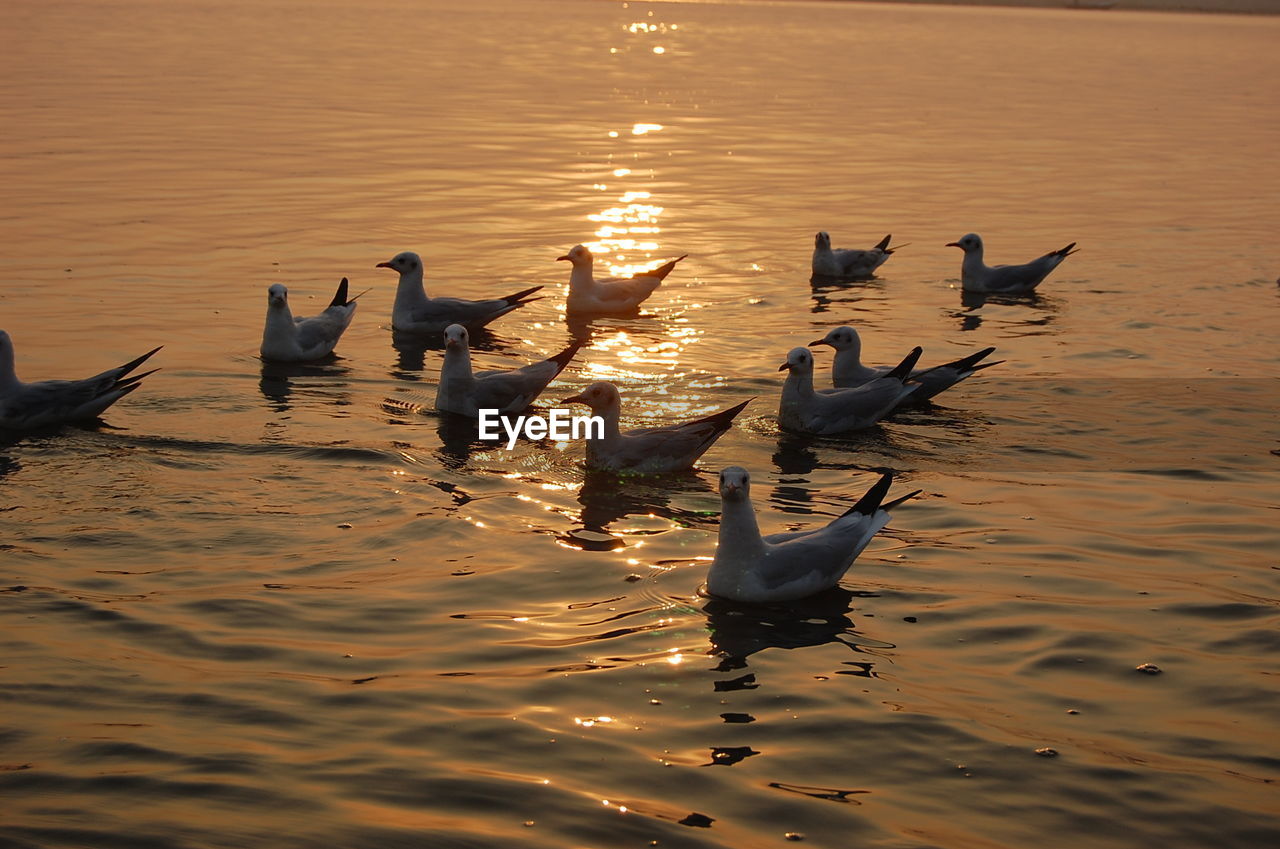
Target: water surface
263,606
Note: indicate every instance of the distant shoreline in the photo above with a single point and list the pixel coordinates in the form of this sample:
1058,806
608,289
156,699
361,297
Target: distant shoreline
1226,7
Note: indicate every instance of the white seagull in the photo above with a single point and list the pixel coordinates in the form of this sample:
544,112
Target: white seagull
847,370
847,263
52,402
839,410
414,312
606,295
788,566
466,393
977,276
650,450
290,339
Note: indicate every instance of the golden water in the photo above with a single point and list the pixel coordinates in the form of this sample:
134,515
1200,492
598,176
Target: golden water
197,652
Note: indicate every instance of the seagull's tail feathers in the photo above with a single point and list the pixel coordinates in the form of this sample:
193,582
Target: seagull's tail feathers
521,298
340,296
1067,251
562,359
970,363
723,419
132,382
869,503
133,364
895,502
663,270
884,244
903,369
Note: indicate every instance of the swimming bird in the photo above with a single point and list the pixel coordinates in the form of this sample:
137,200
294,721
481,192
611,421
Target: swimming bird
288,339
977,276
414,312
608,295
846,263
788,566
52,402
650,450
465,392
839,410
847,370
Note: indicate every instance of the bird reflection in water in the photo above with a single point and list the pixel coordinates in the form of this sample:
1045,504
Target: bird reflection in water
607,499
827,294
738,630
277,381
971,317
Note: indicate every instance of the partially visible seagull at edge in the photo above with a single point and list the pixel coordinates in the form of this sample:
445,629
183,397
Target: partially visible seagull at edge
847,370
589,294
24,406
290,339
788,566
845,263
414,312
466,393
977,276
650,450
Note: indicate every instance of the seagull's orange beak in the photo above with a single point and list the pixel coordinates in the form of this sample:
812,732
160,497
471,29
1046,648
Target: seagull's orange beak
952,245
575,399
384,265
563,258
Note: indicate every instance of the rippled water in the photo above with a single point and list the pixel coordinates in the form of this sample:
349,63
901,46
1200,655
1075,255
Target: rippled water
262,606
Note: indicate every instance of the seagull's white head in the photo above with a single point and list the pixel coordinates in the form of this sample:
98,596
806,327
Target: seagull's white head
456,337
841,338
405,262
578,255
822,240
277,296
735,484
799,361
600,396
968,243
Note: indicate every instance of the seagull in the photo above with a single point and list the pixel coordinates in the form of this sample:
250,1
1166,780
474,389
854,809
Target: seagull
788,566
414,312
848,264
839,410
53,402
977,276
651,450
466,393
589,294
847,371
288,339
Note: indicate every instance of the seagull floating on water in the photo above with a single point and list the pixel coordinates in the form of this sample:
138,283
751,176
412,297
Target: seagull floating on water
414,312
51,402
651,450
288,339
788,566
848,372
977,276
608,295
465,392
847,263
839,410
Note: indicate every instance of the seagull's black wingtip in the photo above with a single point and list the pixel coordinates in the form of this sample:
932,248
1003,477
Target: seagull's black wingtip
340,297
870,502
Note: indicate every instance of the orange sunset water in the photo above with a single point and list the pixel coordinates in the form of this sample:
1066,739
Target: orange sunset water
268,605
